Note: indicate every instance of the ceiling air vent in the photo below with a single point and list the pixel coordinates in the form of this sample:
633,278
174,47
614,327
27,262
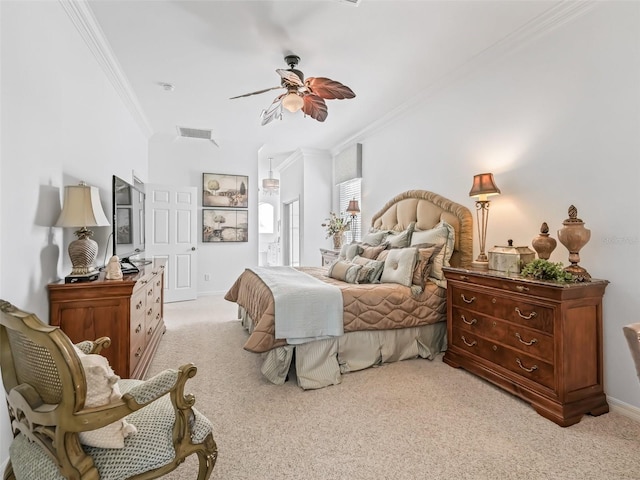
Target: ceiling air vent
196,133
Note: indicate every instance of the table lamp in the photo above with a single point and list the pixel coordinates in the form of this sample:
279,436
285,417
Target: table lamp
353,209
483,186
82,209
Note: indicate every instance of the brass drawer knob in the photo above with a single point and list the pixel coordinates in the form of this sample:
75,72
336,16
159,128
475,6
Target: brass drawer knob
522,288
138,352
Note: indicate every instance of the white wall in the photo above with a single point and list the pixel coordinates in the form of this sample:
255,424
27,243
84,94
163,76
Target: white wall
558,123
181,162
62,122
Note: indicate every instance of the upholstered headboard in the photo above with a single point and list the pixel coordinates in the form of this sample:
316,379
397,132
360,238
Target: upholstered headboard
427,209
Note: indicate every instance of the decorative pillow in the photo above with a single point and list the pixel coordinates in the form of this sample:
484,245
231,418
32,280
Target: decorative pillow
375,267
424,263
441,234
398,266
345,271
364,274
350,250
382,256
374,237
372,252
102,389
401,239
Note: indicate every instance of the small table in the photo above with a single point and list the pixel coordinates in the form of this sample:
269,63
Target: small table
328,256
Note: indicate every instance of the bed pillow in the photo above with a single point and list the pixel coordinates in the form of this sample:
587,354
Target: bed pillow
375,268
424,263
398,266
374,237
442,234
372,252
401,239
345,271
349,250
102,389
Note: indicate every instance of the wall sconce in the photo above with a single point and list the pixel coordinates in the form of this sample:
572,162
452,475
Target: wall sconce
483,186
82,209
353,209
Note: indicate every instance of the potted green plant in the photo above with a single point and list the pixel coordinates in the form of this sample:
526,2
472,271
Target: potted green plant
541,269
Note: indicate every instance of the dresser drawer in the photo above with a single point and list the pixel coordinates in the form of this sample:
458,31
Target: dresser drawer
531,342
513,309
516,361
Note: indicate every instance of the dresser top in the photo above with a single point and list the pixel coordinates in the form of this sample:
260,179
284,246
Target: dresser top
499,275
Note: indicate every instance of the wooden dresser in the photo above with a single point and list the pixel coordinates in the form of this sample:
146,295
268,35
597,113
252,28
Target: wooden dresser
128,311
541,341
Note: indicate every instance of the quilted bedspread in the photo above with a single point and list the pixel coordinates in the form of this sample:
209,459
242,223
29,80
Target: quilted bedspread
380,306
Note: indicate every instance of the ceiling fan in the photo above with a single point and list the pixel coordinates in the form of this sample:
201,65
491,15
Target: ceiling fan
307,95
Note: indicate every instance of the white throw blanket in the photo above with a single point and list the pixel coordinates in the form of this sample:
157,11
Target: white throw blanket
305,308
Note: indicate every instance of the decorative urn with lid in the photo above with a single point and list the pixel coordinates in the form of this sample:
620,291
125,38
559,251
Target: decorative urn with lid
573,235
543,244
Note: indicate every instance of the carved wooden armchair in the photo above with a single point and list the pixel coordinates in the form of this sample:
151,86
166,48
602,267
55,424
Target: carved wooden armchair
61,428
632,333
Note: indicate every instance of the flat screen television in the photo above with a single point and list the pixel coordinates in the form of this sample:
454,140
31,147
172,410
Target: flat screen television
128,224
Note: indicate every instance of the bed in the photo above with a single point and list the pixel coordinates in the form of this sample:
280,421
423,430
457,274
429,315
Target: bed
381,322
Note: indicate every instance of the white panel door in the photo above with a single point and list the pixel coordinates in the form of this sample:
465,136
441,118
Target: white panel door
171,230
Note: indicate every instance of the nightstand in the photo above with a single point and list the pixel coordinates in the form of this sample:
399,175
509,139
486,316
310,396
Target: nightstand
328,256
540,341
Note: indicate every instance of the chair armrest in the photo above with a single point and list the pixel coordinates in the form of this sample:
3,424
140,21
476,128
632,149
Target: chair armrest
95,346
632,334
154,388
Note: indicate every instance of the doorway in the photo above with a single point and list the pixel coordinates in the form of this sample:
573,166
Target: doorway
291,233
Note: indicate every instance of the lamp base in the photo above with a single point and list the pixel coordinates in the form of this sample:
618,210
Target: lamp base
480,264
82,253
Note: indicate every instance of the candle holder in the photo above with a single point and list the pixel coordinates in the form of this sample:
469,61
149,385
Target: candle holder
574,236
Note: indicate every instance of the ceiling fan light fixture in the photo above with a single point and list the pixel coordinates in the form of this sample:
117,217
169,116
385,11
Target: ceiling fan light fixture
292,102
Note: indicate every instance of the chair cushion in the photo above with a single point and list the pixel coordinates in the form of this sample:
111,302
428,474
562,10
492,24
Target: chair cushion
150,448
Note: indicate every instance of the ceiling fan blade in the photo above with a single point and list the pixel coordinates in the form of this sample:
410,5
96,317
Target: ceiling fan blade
256,93
273,112
315,107
329,89
290,77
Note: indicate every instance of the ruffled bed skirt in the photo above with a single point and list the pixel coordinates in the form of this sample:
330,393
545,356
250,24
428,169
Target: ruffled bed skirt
323,362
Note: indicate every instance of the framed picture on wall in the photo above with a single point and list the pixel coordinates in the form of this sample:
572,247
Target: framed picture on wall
228,225
221,190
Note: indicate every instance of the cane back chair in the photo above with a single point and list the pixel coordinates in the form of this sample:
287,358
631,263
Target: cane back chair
46,391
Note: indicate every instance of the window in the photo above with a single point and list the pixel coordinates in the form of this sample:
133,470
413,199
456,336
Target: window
350,190
265,218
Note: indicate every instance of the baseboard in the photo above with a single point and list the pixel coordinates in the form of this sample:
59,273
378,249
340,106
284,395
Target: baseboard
625,409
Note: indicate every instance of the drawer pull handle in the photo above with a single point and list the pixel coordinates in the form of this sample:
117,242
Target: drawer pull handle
522,288
473,321
526,317
150,312
469,344
139,305
532,369
464,277
138,328
150,331
138,352
467,300
533,340
150,293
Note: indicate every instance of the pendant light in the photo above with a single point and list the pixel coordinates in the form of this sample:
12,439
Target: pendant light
270,185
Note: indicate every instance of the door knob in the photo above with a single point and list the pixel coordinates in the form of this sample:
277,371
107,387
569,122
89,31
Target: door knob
193,249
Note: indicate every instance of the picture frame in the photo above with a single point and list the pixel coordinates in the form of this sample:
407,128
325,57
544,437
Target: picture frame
225,225
225,191
123,222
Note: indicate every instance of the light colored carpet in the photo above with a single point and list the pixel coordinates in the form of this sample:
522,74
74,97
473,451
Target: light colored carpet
416,419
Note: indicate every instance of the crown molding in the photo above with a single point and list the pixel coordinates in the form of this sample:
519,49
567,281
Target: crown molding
536,28
85,22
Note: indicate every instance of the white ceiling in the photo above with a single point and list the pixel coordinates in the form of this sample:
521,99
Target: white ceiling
388,52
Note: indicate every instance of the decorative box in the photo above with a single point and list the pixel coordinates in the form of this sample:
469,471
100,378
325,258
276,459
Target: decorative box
510,259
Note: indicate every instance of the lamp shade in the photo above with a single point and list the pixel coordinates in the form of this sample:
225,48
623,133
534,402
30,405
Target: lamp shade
353,209
483,186
82,208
